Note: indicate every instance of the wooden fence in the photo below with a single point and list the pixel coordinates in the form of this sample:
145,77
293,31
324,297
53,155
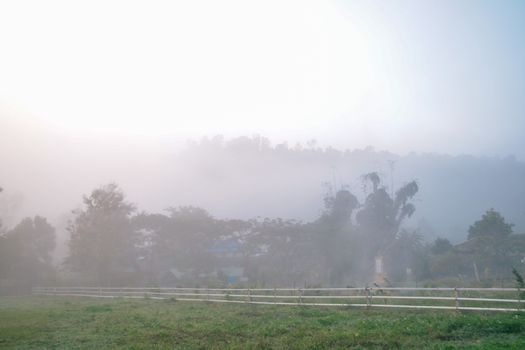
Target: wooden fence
459,299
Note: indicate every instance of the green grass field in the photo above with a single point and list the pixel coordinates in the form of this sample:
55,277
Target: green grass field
84,323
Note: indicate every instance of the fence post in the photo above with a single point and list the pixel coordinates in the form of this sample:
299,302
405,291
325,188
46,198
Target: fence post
519,299
368,297
300,295
207,294
249,295
275,295
456,298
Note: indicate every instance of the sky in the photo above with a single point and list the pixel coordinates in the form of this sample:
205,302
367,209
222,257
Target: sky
423,76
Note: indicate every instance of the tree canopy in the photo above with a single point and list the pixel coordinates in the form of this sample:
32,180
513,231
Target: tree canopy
25,252
491,225
103,242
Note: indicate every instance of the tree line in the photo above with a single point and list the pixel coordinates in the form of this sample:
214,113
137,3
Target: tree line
112,243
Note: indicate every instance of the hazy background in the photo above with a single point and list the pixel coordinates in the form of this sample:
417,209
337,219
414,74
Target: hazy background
100,91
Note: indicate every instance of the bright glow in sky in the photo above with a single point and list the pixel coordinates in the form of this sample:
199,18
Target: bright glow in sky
400,75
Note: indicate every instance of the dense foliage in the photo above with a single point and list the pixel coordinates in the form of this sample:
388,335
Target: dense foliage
25,255
111,244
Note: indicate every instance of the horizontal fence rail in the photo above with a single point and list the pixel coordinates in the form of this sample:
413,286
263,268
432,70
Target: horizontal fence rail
459,299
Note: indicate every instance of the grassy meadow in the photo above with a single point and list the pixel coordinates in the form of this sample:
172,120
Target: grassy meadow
32,322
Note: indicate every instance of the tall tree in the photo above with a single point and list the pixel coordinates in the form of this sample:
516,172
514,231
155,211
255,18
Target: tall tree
103,242
381,215
491,225
489,241
380,218
335,239
25,253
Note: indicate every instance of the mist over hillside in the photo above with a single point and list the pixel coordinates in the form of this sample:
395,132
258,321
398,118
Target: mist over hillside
290,181
247,177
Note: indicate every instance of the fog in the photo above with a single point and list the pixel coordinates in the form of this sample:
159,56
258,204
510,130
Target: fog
277,124
249,177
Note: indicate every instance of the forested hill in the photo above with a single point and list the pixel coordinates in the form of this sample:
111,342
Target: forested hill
249,177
